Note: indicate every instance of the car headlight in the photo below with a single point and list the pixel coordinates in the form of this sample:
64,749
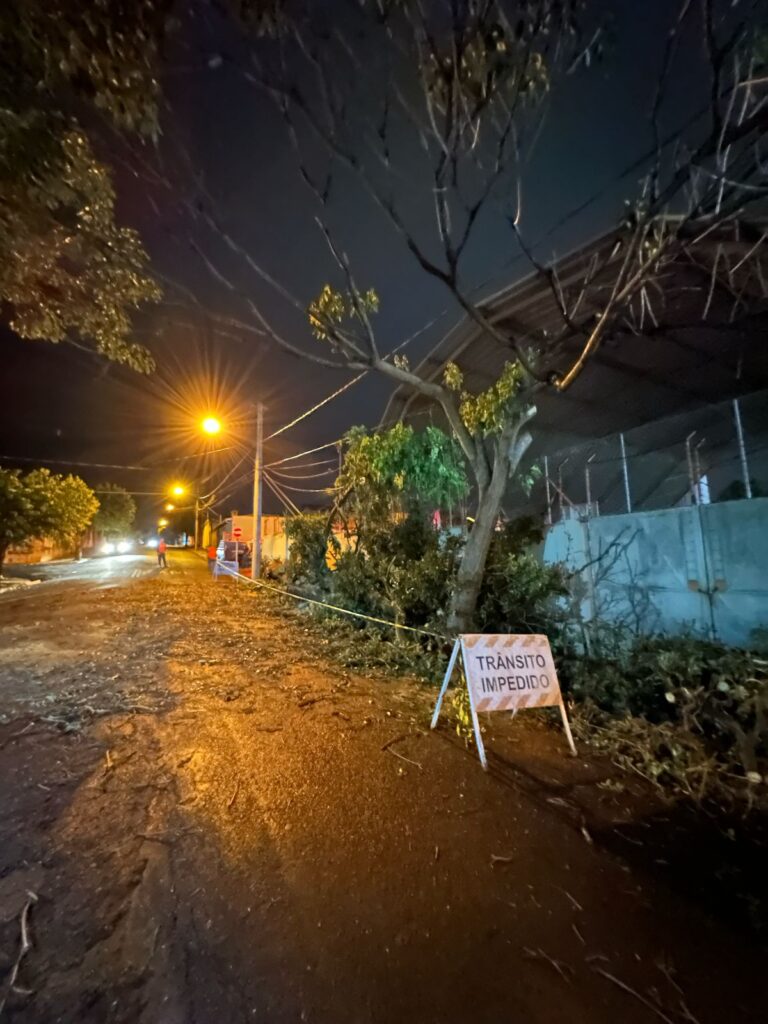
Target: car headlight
152,543
123,546
108,548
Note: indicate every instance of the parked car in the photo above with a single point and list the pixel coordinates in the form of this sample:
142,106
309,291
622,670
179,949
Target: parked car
230,551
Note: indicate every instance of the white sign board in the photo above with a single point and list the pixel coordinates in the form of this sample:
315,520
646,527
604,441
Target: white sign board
505,672
510,672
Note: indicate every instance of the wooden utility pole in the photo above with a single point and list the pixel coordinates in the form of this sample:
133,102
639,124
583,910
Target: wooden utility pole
258,466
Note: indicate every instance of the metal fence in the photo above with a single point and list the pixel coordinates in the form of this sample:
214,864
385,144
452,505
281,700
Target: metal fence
717,452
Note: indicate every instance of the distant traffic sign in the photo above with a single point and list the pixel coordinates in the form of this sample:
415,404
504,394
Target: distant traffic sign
237,533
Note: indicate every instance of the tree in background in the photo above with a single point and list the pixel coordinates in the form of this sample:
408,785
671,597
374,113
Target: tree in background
396,564
43,504
437,107
68,271
117,510
16,511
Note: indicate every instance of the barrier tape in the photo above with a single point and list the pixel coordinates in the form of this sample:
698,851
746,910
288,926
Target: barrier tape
324,604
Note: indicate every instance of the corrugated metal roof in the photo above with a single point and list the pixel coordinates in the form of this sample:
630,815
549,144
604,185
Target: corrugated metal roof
662,358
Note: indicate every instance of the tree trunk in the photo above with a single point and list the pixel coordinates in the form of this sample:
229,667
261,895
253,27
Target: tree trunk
3,550
469,578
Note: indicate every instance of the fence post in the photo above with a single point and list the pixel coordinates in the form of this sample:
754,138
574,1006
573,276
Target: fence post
742,449
702,489
691,475
588,483
625,472
560,486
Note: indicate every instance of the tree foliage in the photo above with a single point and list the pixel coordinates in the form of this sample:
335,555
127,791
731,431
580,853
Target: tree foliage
68,271
117,510
16,511
329,311
43,504
486,412
402,466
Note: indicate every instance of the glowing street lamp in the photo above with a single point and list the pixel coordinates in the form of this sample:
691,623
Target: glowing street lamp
170,507
162,522
210,425
178,491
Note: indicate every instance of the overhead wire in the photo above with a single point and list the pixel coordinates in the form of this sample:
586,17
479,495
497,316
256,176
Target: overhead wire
280,494
70,462
308,490
319,462
345,387
309,451
319,405
228,475
304,476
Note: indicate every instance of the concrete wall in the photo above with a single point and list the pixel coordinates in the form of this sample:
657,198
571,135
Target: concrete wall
701,568
38,550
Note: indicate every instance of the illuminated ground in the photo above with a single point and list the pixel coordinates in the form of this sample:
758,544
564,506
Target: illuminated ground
218,830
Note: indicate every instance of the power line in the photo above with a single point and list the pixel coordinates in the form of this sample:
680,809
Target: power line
319,462
222,482
156,494
308,490
70,462
310,451
319,405
282,496
304,476
345,387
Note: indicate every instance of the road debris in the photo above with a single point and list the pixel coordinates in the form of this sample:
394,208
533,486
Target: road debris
25,944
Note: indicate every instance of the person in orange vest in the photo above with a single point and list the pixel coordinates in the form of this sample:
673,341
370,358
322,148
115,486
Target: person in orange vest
161,561
211,556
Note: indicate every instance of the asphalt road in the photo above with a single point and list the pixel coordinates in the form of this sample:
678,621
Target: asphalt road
107,569
208,820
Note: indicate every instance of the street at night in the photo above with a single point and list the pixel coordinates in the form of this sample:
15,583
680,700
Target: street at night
223,824
105,570
383,511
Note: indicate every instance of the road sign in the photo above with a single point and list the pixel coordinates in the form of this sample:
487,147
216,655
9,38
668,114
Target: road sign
237,533
510,672
505,672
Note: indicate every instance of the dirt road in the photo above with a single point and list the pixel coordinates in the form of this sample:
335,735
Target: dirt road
221,826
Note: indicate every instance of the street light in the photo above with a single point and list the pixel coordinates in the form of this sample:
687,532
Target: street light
162,523
178,491
211,425
170,507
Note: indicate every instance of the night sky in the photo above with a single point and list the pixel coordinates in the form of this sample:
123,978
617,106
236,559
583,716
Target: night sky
62,404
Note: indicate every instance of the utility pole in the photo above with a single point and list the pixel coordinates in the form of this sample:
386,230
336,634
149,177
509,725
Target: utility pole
197,522
258,467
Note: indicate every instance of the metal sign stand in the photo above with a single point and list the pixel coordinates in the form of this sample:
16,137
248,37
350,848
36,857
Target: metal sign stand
458,648
567,727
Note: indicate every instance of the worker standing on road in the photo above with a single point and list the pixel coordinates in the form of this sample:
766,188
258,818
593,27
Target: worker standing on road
161,561
211,557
